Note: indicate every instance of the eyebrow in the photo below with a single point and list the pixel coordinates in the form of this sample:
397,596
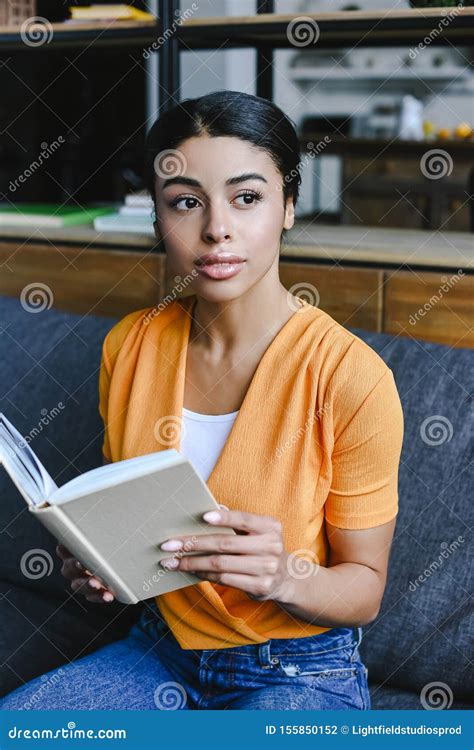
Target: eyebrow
180,180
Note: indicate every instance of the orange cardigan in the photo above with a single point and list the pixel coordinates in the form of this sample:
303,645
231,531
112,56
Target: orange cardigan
317,438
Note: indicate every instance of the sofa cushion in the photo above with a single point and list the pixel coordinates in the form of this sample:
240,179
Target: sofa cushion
425,630
49,384
393,699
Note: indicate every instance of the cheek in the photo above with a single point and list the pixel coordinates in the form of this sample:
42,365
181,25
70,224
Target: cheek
262,237
180,237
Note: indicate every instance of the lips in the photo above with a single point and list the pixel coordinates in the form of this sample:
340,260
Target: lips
210,259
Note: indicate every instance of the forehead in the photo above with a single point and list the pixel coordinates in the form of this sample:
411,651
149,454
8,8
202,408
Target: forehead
213,160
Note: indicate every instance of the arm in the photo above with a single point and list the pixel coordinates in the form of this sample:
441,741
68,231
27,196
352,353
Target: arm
345,594
349,591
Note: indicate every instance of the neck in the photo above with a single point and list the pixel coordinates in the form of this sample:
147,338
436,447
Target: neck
236,325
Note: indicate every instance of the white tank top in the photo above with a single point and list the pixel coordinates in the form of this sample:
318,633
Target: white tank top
203,437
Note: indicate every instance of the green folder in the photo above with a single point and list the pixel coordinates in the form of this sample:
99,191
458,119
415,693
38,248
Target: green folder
49,214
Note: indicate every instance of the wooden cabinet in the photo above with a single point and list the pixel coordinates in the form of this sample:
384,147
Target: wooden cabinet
86,280
390,281
352,296
431,306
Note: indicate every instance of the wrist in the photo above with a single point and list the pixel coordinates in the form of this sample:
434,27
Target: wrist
285,593
297,587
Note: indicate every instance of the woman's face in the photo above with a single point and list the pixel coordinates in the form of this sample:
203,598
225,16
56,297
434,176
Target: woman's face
225,196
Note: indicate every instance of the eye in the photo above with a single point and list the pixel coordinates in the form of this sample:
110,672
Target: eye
252,196
188,198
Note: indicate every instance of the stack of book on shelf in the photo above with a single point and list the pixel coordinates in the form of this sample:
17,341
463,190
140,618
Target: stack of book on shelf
101,12
48,215
135,215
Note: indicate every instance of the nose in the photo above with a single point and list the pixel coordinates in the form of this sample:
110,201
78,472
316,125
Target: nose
217,227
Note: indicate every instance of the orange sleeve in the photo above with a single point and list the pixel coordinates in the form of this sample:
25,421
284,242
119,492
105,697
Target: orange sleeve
104,386
365,461
110,349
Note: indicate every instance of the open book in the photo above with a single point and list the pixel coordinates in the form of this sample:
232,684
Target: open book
114,518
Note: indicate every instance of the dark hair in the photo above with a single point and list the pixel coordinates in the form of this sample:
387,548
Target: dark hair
228,113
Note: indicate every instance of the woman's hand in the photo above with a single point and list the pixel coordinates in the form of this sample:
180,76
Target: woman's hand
81,579
255,562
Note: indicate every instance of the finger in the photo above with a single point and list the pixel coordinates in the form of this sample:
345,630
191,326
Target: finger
99,597
63,552
237,519
243,545
251,565
70,570
90,587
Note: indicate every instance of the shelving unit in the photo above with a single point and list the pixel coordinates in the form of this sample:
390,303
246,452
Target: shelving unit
348,27
121,33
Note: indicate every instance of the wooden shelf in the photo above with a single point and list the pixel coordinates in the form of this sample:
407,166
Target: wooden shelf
388,148
81,235
119,33
364,28
307,240
342,28
415,248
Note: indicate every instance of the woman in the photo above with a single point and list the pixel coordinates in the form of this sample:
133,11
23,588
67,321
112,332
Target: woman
294,423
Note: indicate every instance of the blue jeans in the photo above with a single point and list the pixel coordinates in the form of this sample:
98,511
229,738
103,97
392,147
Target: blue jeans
149,670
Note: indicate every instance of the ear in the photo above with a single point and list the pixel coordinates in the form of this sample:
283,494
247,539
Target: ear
289,213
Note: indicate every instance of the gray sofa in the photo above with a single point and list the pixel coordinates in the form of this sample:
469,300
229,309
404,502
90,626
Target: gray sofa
417,651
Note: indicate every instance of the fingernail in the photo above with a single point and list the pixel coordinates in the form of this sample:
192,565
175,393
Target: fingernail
169,563
212,516
172,545
107,596
94,584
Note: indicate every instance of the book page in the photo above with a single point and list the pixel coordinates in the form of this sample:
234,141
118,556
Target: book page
113,474
23,465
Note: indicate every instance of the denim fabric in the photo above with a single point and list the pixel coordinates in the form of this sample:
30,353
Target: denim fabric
149,670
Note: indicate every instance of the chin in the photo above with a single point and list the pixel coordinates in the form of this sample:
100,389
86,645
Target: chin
219,292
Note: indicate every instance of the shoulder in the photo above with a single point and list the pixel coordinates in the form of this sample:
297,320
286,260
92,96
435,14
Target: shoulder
346,355
135,325
353,375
